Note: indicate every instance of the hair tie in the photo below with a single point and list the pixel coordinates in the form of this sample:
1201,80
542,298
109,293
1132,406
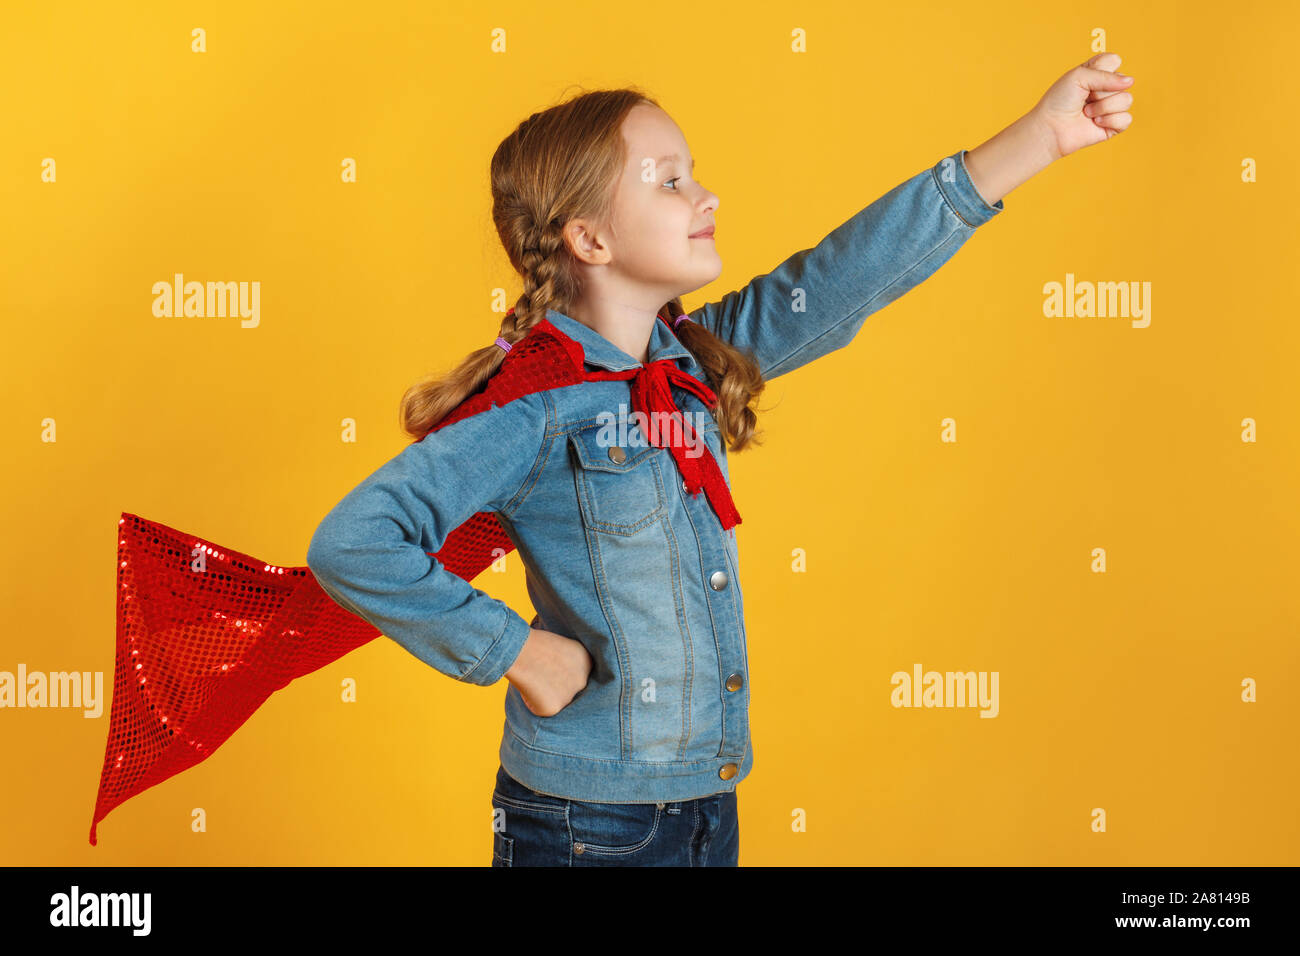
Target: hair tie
680,319
503,343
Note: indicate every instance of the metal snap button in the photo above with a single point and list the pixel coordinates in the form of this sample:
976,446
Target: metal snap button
617,455
728,771
735,682
578,848
718,580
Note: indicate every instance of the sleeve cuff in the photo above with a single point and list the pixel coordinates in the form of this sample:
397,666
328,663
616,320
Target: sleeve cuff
499,658
954,182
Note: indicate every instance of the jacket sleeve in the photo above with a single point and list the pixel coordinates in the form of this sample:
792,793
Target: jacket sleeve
369,552
815,301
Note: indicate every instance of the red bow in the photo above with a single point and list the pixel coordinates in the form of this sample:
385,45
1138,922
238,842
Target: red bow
653,397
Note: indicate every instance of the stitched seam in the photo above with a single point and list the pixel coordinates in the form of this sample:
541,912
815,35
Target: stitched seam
580,424
608,850
588,496
708,604
569,428
706,763
951,205
695,830
634,459
543,454
508,843
679,598
507,611
616,634
852,315
734,588
679,604
679,591
526,804
717,647
671,352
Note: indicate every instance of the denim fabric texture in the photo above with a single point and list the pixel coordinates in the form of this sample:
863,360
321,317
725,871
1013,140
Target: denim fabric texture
536,829
616,553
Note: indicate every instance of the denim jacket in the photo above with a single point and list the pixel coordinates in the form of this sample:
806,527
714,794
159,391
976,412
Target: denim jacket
616,554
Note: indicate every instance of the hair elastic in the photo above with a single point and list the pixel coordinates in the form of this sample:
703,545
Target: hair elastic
503,343
680,319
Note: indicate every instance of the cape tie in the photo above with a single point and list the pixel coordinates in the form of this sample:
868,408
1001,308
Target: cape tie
652,396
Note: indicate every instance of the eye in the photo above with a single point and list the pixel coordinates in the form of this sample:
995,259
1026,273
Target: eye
673,180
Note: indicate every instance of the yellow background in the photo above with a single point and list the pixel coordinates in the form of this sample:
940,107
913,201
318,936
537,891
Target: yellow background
1118,690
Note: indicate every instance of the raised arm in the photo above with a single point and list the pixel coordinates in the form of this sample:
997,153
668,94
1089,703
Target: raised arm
817,300
369,552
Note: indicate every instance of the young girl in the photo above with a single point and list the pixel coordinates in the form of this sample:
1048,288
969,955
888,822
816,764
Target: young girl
627,711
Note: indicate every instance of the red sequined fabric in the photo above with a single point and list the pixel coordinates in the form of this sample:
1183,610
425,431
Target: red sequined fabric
205,634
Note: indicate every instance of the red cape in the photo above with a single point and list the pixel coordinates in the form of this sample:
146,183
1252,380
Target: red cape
205,634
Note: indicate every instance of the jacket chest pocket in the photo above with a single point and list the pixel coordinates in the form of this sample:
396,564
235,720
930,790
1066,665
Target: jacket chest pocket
620,488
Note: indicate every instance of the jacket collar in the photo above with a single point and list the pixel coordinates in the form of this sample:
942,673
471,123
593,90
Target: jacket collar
598,350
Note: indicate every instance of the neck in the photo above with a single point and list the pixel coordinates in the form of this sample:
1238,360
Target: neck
627,327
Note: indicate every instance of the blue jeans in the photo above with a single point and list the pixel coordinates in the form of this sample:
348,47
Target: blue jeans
536,829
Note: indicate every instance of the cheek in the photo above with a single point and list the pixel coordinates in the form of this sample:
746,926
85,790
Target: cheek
659,237
653,235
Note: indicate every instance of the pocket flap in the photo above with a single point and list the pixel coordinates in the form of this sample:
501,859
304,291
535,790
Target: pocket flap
594,449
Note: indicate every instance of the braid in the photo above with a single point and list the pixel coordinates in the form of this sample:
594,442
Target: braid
544,271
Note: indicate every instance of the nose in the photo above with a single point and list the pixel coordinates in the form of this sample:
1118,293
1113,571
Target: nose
709,202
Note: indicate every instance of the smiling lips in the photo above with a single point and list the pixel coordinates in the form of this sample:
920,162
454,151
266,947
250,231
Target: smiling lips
702,234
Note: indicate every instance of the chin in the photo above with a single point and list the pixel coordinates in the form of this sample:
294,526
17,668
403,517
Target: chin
700,276
711,263
699,281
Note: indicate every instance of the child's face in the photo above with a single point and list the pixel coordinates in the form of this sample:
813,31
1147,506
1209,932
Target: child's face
652,222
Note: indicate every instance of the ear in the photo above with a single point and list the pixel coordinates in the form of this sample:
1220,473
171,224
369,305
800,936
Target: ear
585,243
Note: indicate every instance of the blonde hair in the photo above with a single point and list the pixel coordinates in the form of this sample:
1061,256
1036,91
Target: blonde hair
561,163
